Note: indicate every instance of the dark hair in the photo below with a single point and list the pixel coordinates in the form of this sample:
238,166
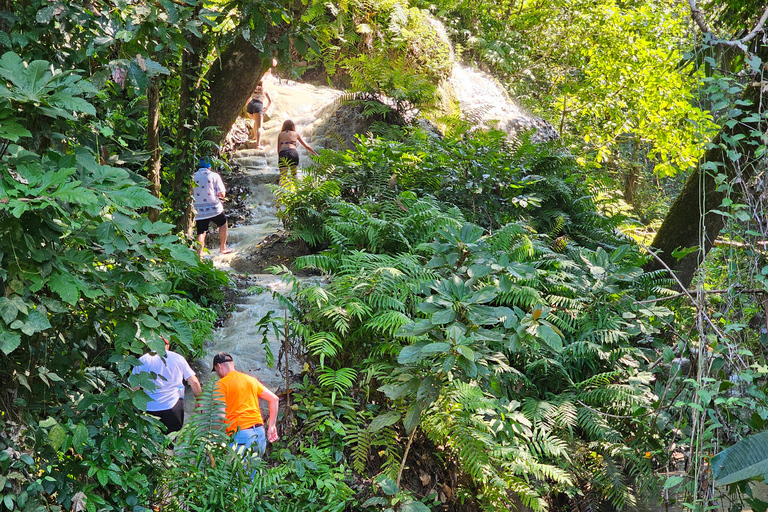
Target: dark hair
221,357
288,126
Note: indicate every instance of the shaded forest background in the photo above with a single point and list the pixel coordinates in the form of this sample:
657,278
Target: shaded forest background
579,324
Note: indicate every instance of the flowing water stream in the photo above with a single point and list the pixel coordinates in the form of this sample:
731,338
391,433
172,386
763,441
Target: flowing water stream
479,96
240,335
482,100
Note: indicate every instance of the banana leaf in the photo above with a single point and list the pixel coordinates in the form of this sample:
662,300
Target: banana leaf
746,459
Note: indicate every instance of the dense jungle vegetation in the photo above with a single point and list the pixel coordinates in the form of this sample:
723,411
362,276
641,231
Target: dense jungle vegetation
577,325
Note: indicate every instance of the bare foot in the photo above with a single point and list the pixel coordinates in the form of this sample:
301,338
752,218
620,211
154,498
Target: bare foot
225,251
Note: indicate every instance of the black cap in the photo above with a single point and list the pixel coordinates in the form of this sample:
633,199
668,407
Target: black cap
221,357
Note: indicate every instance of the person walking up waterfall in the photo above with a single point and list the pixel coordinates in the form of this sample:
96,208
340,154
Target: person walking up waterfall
208,193
241,396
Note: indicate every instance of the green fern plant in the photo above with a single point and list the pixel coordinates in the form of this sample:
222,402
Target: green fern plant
206,473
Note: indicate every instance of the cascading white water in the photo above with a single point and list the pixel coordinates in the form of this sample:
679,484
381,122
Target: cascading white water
482,100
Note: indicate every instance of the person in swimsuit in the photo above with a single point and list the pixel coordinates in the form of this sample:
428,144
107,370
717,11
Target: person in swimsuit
288,156
256,109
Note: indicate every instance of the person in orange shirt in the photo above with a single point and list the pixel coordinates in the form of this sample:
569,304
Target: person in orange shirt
241,395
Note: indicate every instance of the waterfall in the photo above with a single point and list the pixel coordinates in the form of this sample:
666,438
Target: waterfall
484,102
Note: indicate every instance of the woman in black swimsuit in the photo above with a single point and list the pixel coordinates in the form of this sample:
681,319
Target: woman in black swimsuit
288,156
256,109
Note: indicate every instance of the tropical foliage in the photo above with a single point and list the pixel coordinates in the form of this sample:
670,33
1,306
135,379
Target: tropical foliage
483,336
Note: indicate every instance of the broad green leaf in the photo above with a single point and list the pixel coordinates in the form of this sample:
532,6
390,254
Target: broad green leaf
140,400
376,500
384,420
65,287
8,310
470,233
412,417
478,271
485,295
13,131
744,460
434,348
149,321
411,353
79,438
673,481
395,392
184,254
9,341
414,506
387,485
444,316
466,352
48,422
414,329
134,197
429,307
36,322
56,436
550,337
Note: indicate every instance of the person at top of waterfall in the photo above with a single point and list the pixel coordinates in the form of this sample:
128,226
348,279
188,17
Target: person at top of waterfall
166,401
241,393
256,108
288,156
208,193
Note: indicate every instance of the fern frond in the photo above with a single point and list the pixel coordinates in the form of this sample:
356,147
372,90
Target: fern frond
323,345
339,380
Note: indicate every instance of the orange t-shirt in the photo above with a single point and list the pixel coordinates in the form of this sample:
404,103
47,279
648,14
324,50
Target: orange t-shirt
241,394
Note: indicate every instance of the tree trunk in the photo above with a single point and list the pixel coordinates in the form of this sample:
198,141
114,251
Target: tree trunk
188,118
153,141
630,184
231,80
233,76
682,225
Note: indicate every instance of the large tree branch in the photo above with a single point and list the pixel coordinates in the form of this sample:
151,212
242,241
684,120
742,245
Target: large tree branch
692,220
741,43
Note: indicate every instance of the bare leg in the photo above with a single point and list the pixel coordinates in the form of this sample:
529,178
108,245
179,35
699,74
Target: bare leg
201,242
223,230
253,126
257,128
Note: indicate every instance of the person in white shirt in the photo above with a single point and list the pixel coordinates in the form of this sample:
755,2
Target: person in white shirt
170,371
208,193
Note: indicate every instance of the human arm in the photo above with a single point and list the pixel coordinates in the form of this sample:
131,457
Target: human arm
194,383
274,403
306,145
219,187
269,101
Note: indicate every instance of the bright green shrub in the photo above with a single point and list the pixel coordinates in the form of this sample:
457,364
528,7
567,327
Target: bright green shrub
83,291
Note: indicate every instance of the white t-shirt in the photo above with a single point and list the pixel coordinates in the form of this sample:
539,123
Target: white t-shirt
175,369
206,193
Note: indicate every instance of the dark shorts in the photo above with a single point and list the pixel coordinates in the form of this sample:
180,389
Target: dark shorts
288,158
202,225
255,107
172,418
